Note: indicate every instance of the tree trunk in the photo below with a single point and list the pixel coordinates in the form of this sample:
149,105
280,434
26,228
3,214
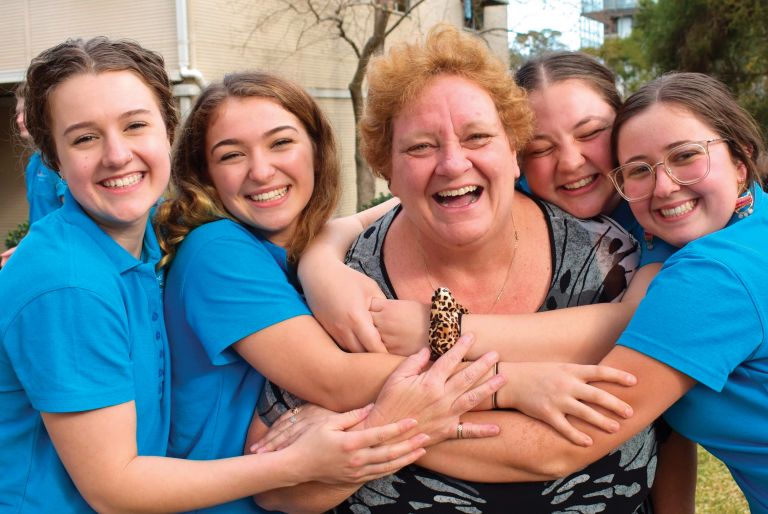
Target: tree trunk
366,183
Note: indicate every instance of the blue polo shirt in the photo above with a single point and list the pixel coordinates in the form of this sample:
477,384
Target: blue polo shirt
706,315
45,189
81,328
225,283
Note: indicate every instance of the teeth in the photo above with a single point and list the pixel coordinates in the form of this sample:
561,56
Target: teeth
679,210
128,180
579,183
457,192
270,195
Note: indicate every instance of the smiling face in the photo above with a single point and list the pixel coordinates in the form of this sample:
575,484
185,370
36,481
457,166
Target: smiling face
679,214
452,165
260,159
567,161
112,147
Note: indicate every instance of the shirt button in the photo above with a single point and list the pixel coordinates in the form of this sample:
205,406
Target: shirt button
157,335
154,316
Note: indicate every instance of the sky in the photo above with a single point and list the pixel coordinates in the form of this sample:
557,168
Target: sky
560,15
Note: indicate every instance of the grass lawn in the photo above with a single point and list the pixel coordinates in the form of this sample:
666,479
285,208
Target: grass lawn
716,492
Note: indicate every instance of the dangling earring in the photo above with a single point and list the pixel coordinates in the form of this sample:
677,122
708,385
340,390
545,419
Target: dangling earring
745,204
648,238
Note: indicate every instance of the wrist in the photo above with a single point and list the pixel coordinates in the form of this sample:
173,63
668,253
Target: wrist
505,397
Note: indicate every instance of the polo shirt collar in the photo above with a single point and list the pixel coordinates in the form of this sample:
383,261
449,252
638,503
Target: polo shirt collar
123,261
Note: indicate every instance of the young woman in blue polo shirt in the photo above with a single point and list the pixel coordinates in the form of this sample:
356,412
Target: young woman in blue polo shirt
84,362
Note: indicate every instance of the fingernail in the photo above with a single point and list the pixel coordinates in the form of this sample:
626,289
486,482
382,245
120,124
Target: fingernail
261,450
422,439
587,441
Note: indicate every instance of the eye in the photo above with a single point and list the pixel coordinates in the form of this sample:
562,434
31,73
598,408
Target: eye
228,156
135,125
282,142
636,171
539,151
685,155
419,149
87,138
477,140
592,134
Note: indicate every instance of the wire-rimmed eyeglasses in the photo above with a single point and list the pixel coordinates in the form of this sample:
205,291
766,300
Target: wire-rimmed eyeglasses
685,164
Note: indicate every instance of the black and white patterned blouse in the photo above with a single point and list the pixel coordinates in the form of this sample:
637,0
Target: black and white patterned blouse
592,262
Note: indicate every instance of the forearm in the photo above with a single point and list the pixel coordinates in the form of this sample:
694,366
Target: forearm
674,488
298,355
159,484
528,448
581,335
307,498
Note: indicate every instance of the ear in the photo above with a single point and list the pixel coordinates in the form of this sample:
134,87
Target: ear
516,165
741,171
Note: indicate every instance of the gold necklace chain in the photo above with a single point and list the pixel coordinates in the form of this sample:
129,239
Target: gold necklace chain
506,276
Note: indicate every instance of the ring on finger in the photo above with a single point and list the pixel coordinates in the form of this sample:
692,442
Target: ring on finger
460,430
294,412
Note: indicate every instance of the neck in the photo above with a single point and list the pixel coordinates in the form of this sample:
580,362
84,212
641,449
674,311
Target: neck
131,238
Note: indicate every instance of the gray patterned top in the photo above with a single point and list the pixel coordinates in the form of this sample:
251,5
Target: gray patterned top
592,262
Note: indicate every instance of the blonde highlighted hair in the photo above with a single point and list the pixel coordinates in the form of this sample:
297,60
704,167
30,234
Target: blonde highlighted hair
194,200
397,78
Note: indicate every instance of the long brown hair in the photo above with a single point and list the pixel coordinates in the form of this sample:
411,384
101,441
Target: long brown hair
194,200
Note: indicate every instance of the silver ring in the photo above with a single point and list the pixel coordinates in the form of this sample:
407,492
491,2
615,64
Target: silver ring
460,430
292,419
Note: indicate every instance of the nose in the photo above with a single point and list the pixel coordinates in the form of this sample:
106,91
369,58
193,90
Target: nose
570,158
117,153
664,185
453,161
260,169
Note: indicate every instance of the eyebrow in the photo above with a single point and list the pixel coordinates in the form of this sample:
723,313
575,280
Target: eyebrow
231,141
85,124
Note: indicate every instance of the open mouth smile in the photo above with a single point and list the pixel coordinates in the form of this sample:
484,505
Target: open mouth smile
275,194
458,197
573,186
121,182
674,212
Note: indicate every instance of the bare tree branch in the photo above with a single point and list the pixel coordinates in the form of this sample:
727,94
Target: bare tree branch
404,15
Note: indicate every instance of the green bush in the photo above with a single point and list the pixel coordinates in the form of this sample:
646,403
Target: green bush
15,236
380,198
